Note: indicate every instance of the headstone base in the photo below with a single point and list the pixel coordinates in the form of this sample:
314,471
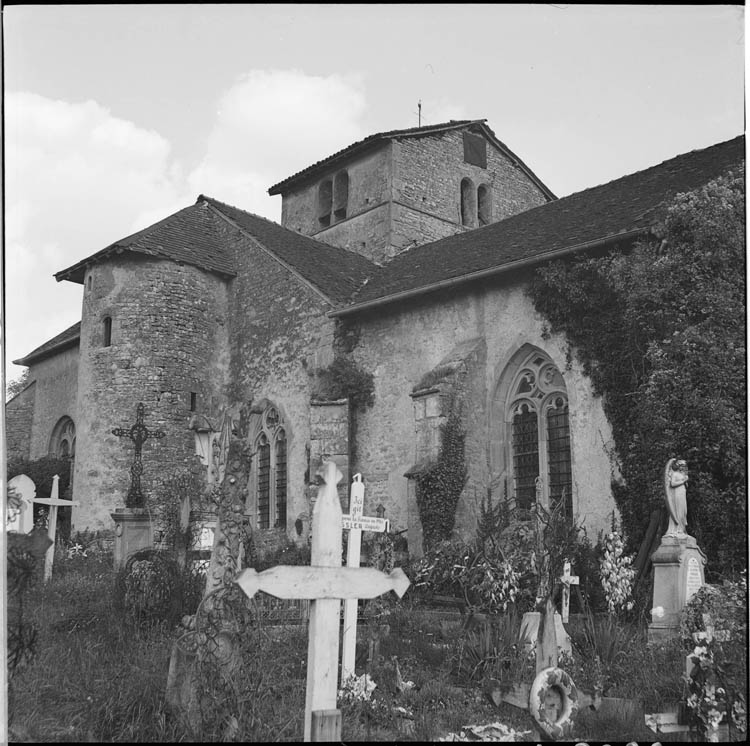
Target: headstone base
678,574
530,629
133,531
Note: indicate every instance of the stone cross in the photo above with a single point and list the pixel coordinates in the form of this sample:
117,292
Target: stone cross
356,523
325,583
139,434
567,580
54,503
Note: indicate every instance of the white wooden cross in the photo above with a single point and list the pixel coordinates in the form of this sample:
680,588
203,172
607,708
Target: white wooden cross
356,523
325,583
54,503
567,580
25,521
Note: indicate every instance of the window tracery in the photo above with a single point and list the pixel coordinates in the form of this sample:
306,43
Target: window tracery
270,470
538,435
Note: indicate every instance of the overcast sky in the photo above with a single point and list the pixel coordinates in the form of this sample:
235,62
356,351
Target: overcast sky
116,116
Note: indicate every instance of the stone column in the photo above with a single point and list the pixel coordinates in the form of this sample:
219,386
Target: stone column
678,574
134,530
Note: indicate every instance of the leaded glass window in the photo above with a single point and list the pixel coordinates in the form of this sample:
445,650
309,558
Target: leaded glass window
539,435
270,470
264,482
280,467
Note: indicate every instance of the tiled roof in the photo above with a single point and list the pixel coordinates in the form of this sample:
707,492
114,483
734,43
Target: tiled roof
188,236
376,139
68,338
619,208
336,272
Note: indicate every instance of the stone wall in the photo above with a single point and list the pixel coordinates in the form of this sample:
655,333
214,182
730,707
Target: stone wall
19,416
169,351
427,174
366,227
56,397
279,336
400,345
408,193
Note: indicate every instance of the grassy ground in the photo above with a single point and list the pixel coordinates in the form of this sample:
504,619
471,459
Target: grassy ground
99,676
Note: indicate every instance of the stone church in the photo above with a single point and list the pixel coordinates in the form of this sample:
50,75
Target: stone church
408,254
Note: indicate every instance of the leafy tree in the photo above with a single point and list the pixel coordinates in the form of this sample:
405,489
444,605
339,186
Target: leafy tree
17,385
661,332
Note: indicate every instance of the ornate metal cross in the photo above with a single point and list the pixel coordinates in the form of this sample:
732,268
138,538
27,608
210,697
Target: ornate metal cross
139,434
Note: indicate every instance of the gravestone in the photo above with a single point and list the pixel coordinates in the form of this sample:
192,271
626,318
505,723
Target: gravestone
20,515
134,528
325,583
53,502
678,562
355,522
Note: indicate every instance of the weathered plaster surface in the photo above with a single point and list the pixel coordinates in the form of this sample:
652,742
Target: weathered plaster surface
401,345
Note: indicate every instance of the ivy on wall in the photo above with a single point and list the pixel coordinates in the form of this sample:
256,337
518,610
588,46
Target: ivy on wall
660,330
439,486
344,379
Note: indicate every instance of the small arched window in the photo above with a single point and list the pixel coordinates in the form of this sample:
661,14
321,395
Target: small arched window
107,331
468,203
340,195
484,204
270,470
62,442
325,200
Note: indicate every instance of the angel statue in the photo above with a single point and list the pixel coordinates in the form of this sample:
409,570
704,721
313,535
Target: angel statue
675,478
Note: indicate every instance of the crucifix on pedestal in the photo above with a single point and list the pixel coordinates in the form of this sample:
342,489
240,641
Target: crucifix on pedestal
325,583
139,434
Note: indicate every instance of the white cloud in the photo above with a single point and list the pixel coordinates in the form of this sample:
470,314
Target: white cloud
78,177
271,124
75,178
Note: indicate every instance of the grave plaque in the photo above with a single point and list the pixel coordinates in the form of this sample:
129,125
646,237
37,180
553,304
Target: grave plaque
694,578
20,517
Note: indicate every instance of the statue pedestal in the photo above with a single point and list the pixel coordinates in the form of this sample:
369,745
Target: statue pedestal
678,574
133,531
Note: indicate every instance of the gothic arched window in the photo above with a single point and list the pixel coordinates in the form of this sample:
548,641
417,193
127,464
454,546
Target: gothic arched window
270,470
538,435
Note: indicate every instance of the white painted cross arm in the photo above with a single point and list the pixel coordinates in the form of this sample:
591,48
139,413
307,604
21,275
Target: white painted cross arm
56,502
311,582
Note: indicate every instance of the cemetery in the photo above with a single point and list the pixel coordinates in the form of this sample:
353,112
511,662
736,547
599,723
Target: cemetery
513,510
538,638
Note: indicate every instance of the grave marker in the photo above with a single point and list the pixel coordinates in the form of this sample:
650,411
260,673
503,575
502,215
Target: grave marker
324,583
139,434
567,580
54,503
20,518
356,523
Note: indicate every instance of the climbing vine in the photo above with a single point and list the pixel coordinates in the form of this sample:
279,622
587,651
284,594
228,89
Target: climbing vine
660,329
344,379
439,486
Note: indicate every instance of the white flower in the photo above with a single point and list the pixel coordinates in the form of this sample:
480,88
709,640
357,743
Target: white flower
657,612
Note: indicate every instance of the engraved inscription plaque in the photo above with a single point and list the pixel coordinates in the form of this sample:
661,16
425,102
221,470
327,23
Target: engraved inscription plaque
693,580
